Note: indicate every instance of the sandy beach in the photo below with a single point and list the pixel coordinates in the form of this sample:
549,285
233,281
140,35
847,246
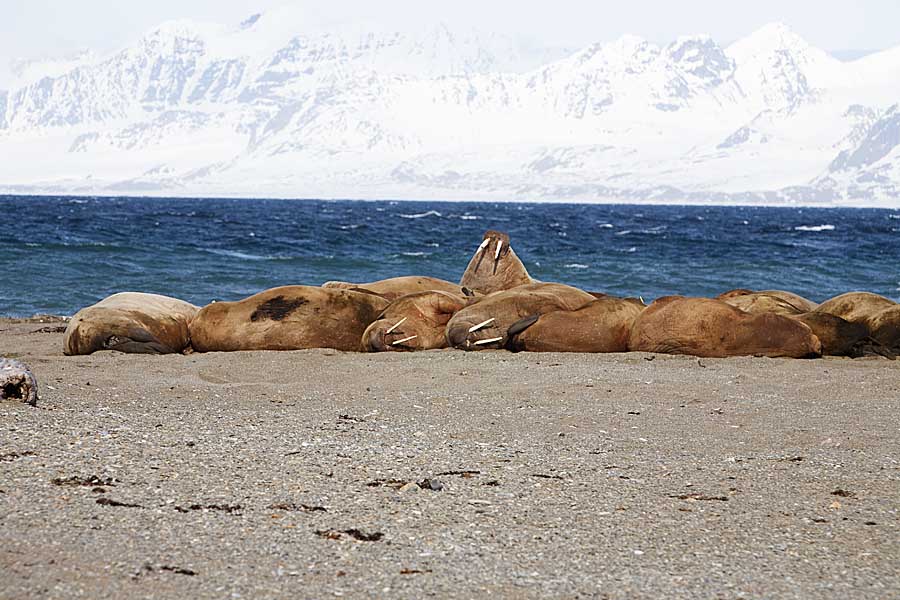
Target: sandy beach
447,474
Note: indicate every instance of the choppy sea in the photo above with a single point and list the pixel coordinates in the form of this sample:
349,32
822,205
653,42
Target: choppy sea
60,254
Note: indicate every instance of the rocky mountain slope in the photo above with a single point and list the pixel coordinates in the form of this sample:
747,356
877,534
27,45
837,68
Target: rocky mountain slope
267,108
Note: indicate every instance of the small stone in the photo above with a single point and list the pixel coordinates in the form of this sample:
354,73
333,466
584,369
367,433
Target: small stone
433,485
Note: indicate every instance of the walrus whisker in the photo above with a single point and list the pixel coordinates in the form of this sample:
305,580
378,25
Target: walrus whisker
398,342
475,328
488,341
399,323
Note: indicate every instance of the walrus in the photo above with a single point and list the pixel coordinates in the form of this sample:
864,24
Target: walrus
880,315
485,322
131,322
395,287
602,325
287,318
774,301
495,266
856,307
712,328
413,322
17,382
884,327
839,337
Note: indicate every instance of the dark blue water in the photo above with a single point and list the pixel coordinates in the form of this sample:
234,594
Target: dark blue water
60,254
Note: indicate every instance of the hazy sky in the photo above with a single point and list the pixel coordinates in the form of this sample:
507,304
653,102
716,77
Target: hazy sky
38,28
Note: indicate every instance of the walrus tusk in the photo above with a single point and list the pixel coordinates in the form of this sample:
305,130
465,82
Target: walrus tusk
398,342
499,248
399,323
475,328
488,341
483,245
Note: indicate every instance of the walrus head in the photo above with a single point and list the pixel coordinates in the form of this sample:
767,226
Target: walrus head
495,266
99,328
412,322
487,323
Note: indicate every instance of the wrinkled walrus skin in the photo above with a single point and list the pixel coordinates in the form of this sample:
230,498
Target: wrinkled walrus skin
485,322
494,267
287,318
413,322
602,325
712,328
396,287
131,322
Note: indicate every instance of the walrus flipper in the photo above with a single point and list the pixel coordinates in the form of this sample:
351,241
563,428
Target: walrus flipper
512,342
138,341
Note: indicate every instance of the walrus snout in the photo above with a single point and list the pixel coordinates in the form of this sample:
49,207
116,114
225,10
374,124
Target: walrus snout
475,335
382,336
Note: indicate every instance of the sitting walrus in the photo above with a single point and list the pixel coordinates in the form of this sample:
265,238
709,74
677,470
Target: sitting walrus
131,322
712,328
396,287
602,325
494,267
287,318
773,301
486,321
413,322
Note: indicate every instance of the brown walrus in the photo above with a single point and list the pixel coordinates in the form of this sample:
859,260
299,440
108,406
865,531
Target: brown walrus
287,318
131,322
495,266
880,315
712,328
773,301
413,322
856,307
485,322
884,327
396,287
602,325
838,336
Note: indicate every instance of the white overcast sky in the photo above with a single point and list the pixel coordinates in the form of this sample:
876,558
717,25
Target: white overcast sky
47,28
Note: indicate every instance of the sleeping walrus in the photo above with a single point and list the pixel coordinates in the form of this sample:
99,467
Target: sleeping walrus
396,287
712,328
287,318
131,322
485,322
494,267
773,301
413,322
602,325
879,314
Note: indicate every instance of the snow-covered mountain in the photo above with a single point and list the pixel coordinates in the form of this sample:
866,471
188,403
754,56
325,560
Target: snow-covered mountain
277,107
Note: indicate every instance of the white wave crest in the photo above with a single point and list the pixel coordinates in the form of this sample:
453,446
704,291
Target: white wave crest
430,213
814,228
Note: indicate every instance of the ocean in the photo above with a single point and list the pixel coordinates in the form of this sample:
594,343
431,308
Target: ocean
60,254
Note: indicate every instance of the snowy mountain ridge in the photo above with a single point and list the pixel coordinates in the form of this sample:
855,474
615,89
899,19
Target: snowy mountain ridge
278,106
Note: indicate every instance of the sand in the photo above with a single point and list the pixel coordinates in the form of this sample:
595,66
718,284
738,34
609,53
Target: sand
257,475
